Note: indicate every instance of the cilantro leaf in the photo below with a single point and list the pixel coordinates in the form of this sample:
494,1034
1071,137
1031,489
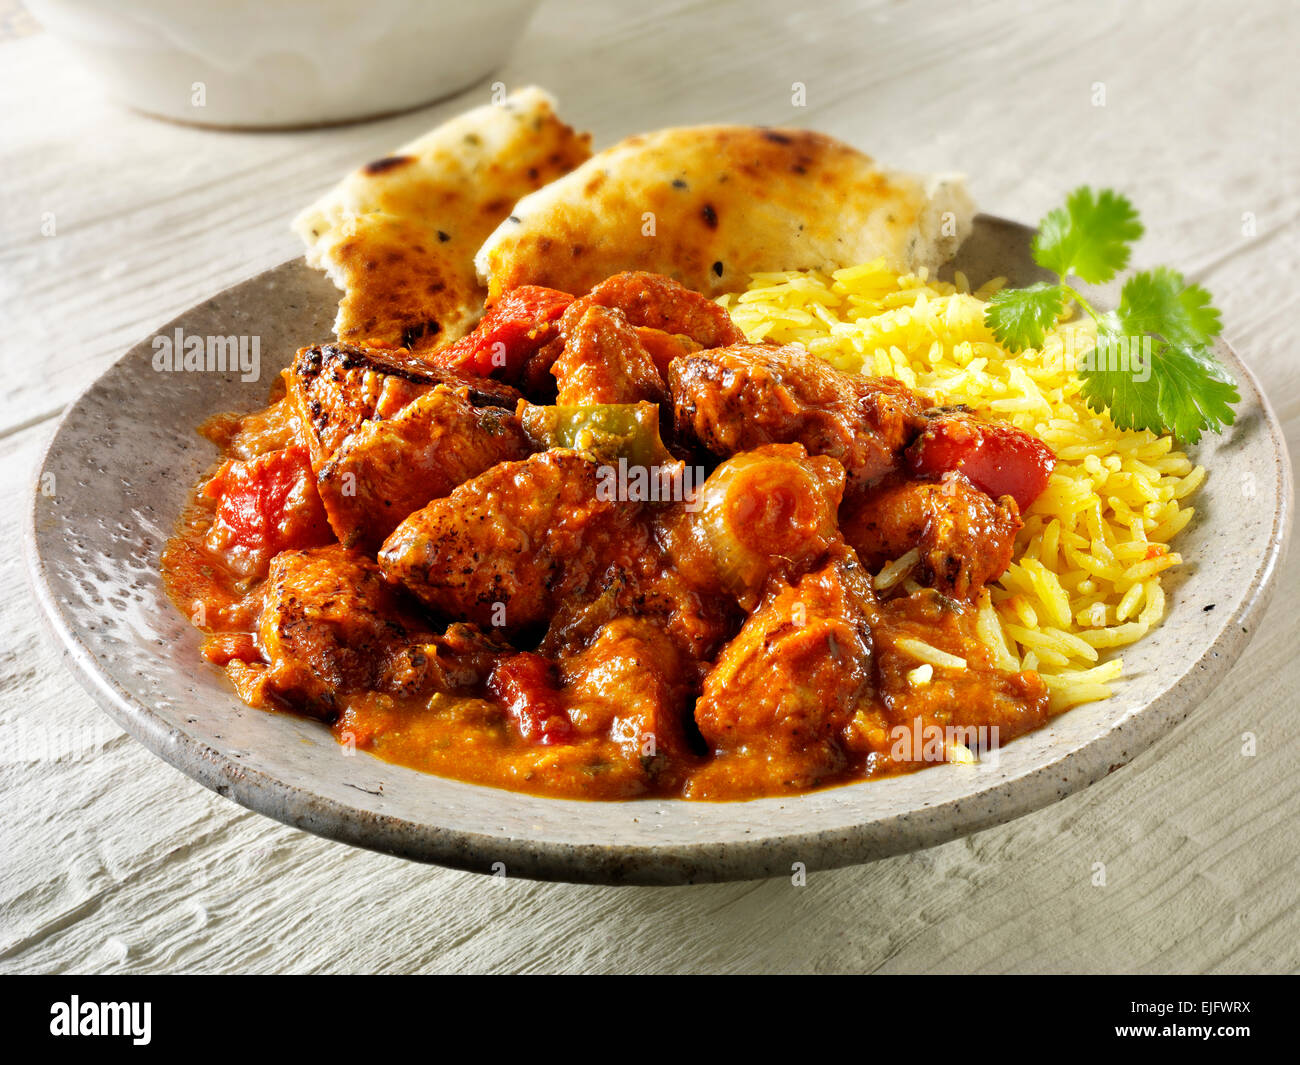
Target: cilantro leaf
1160,301
1108,384
1195,394
1089,237
1020,317
1153,367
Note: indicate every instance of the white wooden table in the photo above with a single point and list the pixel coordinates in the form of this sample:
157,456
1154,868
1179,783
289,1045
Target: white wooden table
112,861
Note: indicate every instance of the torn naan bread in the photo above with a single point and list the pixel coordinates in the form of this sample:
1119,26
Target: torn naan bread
709,205
399,235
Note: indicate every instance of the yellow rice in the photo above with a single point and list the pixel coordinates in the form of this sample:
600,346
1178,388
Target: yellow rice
1088,563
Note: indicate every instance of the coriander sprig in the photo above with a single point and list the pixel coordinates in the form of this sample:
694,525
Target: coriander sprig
1182,388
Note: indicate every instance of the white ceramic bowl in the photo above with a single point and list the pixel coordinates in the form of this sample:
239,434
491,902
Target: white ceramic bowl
284,63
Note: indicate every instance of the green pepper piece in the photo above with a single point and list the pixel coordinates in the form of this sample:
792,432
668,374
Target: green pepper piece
607,430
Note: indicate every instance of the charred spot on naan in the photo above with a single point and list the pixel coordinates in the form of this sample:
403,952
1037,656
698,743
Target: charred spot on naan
399,293
389,162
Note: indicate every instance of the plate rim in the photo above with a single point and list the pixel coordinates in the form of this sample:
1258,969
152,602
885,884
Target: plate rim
599,862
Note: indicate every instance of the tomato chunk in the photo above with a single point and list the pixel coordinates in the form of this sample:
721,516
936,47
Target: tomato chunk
996,457
520,323
523,685
266,504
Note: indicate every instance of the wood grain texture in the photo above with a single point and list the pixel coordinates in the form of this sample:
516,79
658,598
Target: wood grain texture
112,861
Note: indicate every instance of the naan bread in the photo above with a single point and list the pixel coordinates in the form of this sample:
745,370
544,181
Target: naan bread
709,205
399,235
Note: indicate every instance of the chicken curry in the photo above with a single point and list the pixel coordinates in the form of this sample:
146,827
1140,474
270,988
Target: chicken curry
602,547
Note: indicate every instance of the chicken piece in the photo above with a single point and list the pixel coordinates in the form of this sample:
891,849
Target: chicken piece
537,382
664,347
334,388
508,546
329,625
698,622
783,691
741,397
332,626
979,705
617,342
629,684
963,537
770,510
603,360
390,468
657,302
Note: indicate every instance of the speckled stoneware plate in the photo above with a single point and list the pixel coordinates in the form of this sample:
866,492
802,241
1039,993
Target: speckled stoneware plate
126,454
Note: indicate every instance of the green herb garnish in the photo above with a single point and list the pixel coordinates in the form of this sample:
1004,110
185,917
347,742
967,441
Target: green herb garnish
1153,367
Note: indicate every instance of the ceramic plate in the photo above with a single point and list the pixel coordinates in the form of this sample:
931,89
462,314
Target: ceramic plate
126,454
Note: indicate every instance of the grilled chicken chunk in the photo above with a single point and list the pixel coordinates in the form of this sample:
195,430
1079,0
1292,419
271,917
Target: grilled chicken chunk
616,342
334,388
332,626
964,538
329,625
507,547
389,468
652,301
629,684
603,360
782,692
537,380
747,395
698,622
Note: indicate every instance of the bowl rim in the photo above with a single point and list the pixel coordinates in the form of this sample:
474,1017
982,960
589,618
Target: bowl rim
705,860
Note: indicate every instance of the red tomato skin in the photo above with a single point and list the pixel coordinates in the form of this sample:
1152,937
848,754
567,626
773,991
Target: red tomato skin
521,322
997,458
269,503
522,684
